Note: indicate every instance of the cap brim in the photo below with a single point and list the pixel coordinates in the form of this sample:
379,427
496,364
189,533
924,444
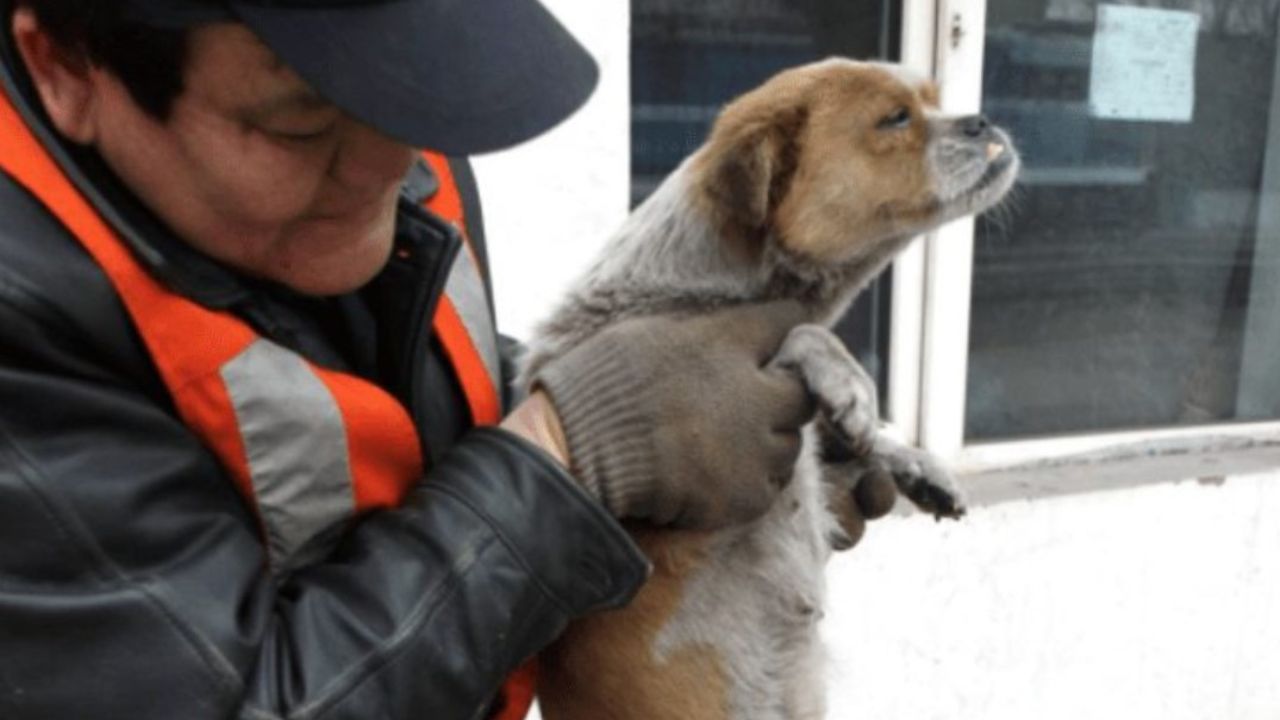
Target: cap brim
459,77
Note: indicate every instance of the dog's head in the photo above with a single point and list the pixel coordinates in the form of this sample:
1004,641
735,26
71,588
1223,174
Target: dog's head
834,159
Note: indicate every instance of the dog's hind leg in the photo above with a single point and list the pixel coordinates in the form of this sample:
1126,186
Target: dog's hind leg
806,696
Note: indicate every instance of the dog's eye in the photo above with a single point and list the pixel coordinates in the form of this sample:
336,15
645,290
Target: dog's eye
896,120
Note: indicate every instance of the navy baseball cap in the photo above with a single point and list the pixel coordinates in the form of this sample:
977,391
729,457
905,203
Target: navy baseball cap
457,76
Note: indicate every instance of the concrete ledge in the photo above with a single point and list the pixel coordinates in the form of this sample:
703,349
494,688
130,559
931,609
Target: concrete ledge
1208,458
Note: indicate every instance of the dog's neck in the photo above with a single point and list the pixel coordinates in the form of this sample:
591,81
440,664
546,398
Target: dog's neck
668,253
668,249
826,289
668,257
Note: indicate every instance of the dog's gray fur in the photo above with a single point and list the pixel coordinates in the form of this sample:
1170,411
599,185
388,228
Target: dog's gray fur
759,597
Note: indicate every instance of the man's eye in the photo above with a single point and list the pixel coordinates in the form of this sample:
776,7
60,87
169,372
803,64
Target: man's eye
896,120
300,135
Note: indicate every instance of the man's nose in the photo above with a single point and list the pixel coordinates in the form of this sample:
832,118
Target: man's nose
367,158
974,126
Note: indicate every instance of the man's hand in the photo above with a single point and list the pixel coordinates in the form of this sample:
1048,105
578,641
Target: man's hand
535,420
678,419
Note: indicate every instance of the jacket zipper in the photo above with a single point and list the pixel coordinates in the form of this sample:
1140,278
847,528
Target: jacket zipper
426,300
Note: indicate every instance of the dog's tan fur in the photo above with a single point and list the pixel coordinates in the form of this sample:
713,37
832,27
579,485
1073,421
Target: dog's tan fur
805,190
801,157
610,655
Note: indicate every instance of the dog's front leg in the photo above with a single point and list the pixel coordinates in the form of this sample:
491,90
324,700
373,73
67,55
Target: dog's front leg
845,392
921,476
852,446
917,474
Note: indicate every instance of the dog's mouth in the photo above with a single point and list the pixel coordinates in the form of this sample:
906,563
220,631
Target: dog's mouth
1001,171
1001,159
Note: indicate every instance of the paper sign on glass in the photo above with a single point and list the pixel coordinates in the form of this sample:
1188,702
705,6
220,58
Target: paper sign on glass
1144,64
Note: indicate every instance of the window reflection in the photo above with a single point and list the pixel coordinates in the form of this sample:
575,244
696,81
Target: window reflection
1133,282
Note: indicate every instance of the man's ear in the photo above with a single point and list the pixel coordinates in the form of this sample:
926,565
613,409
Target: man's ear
62,77
745,172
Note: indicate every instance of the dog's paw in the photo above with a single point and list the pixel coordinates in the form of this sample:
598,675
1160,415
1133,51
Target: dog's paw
846,394
924,481
935,499
852,414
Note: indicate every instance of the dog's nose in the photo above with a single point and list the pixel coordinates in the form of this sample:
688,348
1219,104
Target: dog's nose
974,126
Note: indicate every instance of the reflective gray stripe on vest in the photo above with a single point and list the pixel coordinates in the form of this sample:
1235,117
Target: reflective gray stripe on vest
296,446
465,289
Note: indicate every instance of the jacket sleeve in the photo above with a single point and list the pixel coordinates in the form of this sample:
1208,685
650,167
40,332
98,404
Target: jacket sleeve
132,580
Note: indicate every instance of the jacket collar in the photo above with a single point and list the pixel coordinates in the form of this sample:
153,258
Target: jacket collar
175,263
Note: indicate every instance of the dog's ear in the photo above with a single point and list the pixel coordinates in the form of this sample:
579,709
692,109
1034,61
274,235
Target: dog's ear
746,168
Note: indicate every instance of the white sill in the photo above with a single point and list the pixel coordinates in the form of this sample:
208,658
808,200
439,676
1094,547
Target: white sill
1000,472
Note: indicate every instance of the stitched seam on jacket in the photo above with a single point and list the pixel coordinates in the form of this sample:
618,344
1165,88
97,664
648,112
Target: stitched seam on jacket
344,684
16,293
222,674
354,676
228,681
619,544
252,713
511,548
61,329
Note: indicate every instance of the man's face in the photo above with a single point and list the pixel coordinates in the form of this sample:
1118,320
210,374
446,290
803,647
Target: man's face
256,170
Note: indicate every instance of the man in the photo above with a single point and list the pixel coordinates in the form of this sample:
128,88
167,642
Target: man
247,361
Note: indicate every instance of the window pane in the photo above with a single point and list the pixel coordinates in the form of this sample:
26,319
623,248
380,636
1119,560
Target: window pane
1132,282
689,58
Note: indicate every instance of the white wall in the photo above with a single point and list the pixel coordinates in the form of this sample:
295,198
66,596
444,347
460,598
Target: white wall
549,204
1159,602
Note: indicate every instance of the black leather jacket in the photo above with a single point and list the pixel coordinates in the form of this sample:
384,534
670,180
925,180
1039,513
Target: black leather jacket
132,579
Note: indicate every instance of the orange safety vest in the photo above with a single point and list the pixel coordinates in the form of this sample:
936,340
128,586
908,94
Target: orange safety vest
309,448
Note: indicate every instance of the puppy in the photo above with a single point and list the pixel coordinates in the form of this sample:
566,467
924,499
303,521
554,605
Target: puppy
805,190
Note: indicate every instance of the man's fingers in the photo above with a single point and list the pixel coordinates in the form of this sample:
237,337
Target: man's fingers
875,493
871,498
851,526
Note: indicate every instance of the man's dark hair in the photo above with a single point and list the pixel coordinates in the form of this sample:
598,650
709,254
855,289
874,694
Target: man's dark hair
149,61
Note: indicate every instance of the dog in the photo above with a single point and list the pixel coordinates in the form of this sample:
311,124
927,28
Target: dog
805,189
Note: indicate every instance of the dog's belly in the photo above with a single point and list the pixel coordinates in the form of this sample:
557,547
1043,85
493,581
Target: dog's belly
604,666
725,629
